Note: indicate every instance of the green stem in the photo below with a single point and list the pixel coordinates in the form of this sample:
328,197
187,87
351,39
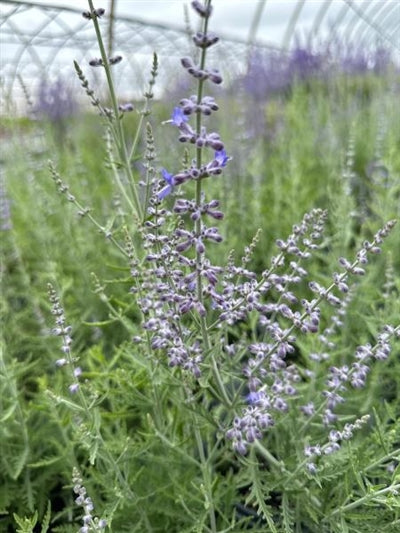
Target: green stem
206,471
110,39
394,455
119,136
269,457
92,425
366,498
82,211
203,324
146,109
118,181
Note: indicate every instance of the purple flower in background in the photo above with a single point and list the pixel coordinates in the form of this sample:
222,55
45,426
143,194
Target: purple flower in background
354,61
266,74
359,60
272,72
55,100
303,63
382,59
169,178
73,389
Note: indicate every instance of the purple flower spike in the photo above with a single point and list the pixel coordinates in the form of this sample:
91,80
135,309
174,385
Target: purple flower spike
169,178
222,158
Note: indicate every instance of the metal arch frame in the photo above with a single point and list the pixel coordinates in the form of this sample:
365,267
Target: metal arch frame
299,6
291,24
396,31
353,26
323,10
26,43
139,26
55,41
396,26
389,12
396,21
132,32
26,46
364,31
338,20
371,23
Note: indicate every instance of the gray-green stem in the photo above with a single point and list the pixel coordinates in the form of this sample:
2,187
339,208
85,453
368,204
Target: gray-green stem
203,325
119,135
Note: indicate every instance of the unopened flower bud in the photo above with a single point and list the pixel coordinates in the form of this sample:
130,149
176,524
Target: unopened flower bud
97,62
201,9
115,59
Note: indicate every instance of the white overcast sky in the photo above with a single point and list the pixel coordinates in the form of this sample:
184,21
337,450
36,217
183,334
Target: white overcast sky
230,17
234,17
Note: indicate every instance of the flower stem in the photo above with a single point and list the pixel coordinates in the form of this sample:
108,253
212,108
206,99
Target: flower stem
206,471
368,497
119,135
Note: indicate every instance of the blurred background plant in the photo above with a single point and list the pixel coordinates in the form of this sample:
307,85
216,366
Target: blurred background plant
56,102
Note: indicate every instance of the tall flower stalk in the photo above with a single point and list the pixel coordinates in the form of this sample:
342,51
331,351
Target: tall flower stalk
184,292
115,114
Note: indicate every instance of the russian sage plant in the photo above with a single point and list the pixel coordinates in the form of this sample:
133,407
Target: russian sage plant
247,361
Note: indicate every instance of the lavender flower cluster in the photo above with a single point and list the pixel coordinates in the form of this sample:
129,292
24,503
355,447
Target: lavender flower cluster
90,523
185,299
63,330
179,278
270,381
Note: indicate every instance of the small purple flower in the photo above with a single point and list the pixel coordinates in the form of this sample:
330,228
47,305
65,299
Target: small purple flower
254,397
178,118
308,409
169,178
126,108
73,389
312,468
222,158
